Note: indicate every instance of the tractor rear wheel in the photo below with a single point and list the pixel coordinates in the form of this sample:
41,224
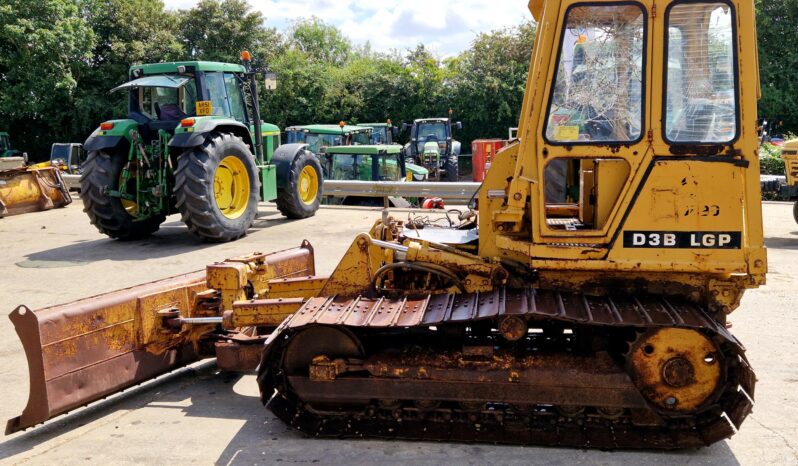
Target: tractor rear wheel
217,188
302,195
452,169
113,216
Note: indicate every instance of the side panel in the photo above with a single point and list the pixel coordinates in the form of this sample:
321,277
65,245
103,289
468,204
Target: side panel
268,182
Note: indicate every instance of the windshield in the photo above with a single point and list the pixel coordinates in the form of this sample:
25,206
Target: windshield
343,167
389,169
317,141
5,144
597,95
379,136
168,104
60,153
428,132
359,139
701,103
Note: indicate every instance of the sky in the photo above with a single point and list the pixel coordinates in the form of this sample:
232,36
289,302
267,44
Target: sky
445,26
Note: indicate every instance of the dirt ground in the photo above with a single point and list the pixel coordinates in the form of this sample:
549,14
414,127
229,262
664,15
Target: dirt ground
196,415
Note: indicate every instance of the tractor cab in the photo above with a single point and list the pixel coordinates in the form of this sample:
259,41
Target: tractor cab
382,133
320,137
5,146
368,163
68,156
162,95
432,145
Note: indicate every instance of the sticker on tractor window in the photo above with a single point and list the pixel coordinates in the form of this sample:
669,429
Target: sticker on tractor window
204,108
682,239
566,133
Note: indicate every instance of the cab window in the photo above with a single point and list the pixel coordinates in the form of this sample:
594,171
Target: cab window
598,83
234,96
701,103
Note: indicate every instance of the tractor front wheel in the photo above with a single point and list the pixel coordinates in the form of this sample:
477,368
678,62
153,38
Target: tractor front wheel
452,169
302,195
217,188
113,216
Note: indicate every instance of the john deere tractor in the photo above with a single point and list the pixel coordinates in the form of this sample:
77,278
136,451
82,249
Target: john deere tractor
190,145
433,147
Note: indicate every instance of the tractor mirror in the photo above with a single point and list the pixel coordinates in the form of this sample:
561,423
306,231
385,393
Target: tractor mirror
459,125
270,81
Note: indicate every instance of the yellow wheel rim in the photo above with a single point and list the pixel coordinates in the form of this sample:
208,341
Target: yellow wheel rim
308,185
231,187
131,207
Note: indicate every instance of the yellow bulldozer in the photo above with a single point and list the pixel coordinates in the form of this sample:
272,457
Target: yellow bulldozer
580,306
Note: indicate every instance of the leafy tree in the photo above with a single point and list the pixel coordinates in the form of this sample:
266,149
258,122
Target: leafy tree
320,41
219,30
490,79
42,47
778,60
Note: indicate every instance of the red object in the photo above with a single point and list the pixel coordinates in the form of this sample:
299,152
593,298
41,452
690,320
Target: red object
433,203
483,151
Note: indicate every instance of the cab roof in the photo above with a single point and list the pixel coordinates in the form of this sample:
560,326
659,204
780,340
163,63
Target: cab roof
329,129
171,67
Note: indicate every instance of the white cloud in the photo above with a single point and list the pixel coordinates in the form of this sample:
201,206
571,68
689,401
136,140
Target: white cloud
446,26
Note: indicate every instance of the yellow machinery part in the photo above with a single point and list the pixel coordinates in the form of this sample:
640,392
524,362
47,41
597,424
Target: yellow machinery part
24,190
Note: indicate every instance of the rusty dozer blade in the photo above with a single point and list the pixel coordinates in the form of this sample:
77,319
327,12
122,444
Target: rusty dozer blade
86,350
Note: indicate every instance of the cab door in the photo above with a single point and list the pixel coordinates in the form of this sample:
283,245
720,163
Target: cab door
594,134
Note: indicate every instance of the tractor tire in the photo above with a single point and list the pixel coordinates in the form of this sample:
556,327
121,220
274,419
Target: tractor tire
101,171
302,196
217,188
795,211
452,169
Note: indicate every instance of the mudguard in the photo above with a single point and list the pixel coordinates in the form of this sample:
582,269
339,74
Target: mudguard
110,139
196,135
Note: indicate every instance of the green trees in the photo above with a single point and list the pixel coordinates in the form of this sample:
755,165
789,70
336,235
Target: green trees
59,58
777,25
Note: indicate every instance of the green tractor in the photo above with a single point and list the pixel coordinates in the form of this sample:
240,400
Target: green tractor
5,146
433,147
369,163
382,133
318,137
190,145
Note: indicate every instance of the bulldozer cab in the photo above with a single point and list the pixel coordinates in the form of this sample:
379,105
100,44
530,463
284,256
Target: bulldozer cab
632,141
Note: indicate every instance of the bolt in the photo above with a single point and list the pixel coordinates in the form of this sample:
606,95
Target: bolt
517,196
671,401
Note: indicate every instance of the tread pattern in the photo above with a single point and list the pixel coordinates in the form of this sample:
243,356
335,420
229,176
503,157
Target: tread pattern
194,189
107,213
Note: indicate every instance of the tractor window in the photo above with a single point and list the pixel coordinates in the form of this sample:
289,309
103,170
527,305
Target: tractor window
343,167
430,132
4,143
581,194
168,104
218,94
359,139
389,169
234,96
379,136
317,141
598,84
701,101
